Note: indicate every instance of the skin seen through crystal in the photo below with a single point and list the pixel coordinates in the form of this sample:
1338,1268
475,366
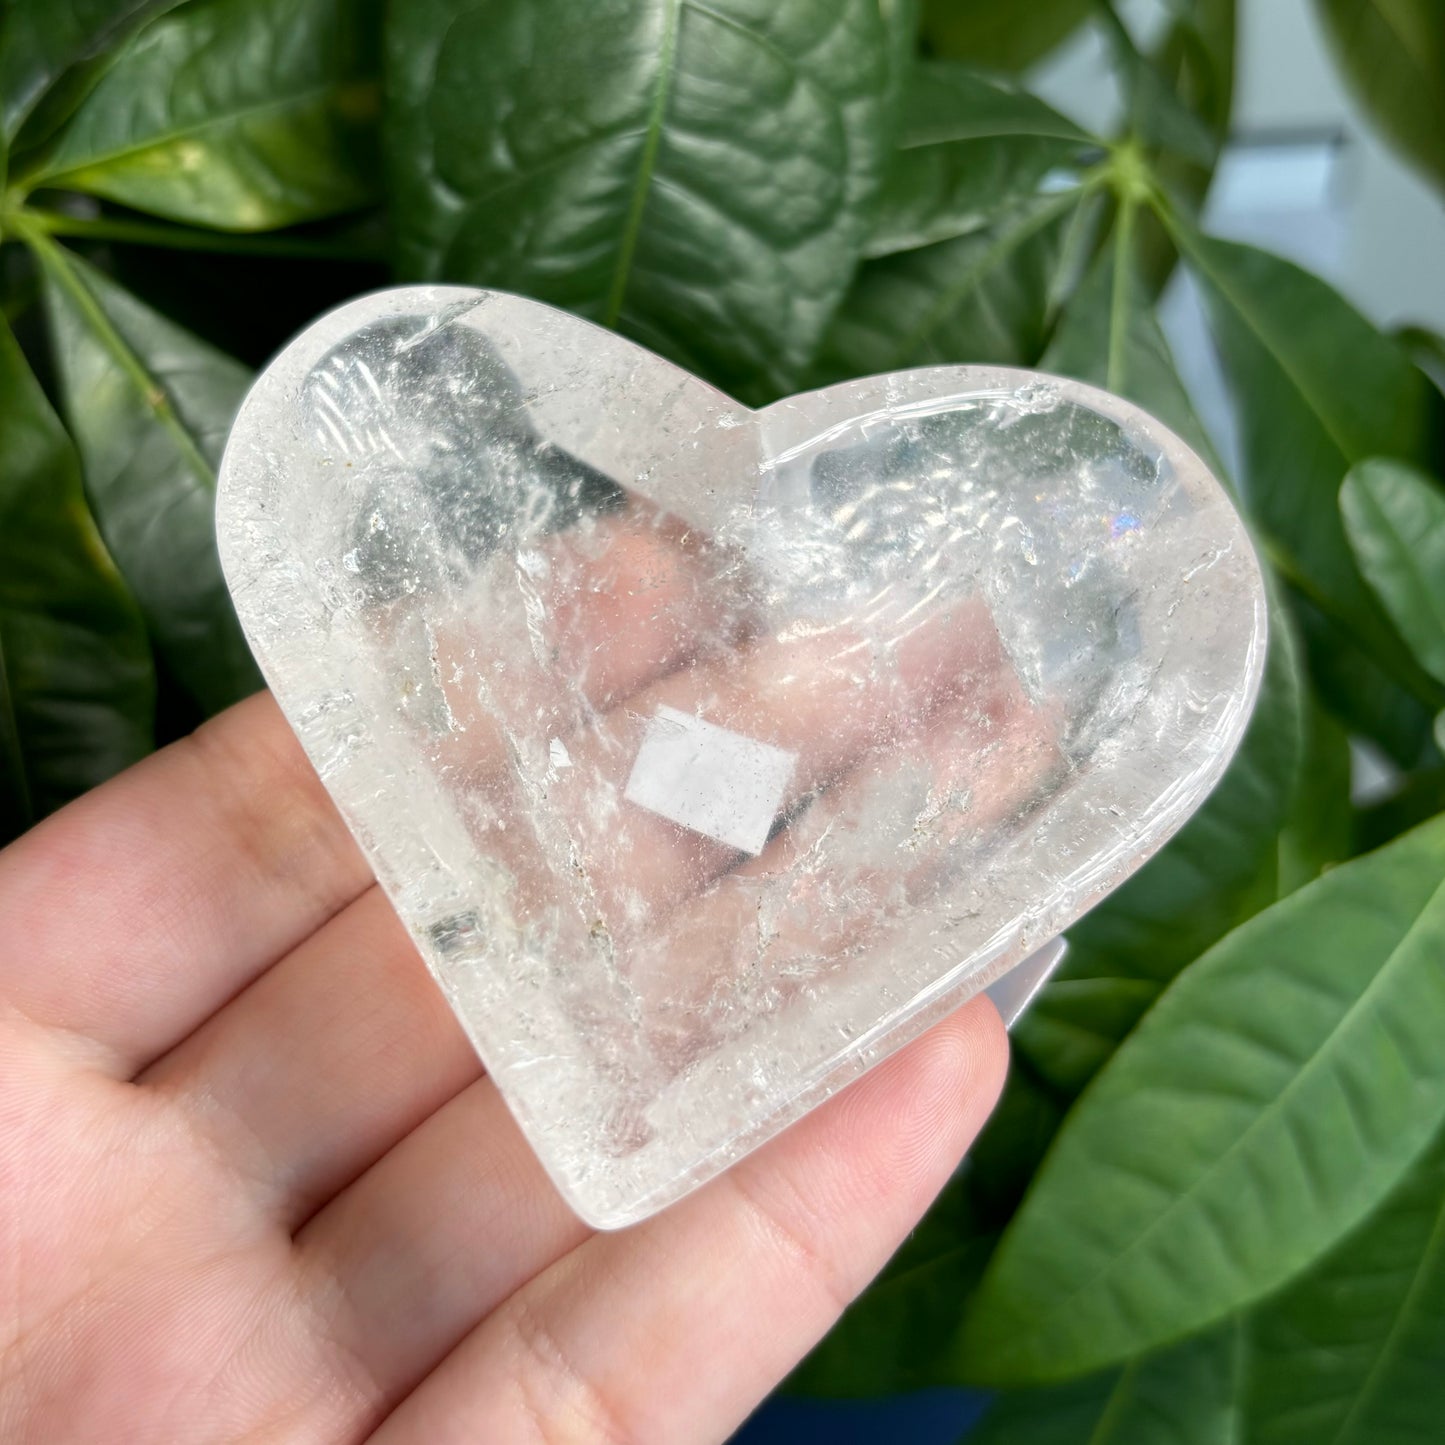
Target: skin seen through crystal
650,618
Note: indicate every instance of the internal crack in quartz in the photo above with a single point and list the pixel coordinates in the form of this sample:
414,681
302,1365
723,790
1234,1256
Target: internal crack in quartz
706,754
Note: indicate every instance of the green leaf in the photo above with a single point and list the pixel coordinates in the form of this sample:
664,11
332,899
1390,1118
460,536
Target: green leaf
243,115
1089,1008
696,173
1395,520
1360,693
1350,1353
77,690
1158,119
1426,349
983,297
1321,827
1218,871
1110,336
149,406
1187,1395
1001,37
1416,800
1316,389
40,41
944,101
1196,61
969,149
1266,1104
1392,54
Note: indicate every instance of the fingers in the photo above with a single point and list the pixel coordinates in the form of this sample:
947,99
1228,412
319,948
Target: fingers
437,1234
816,902
146,905
787,717
328,1059
547,639
671,1332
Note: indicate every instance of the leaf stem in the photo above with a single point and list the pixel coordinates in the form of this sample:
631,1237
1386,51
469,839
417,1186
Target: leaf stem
1032,222
57,263
642,186
1119,300
186,238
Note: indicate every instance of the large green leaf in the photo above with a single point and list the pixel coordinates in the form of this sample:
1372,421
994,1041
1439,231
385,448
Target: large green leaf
969,149
1265,1105
77,690
1395,519
1317,389
1187,1395
243,115
1359,692
982,297
149,406
1320,831
1350,1354
1110,336
697,173
1392,53
40,41
1001,36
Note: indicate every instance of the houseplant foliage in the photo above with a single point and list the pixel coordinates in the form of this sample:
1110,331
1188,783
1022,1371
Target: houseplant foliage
1210,1205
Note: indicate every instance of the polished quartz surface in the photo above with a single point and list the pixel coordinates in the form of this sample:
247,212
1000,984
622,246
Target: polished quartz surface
708,755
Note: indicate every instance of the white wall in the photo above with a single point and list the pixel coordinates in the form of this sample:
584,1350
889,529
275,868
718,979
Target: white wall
1306,176
1303,176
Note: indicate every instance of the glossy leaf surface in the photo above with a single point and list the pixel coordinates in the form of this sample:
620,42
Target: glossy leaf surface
244,115
39,42
982,297
705,188
1269,1101
969,148
1350,1353
149,406
77,690
1395,518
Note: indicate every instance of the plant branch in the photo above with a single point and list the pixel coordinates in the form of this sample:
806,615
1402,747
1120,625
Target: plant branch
187,238
1119,300
57,263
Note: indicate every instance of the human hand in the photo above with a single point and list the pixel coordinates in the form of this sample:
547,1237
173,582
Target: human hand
254,1185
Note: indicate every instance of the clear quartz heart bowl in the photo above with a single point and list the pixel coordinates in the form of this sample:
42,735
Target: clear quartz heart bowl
709,755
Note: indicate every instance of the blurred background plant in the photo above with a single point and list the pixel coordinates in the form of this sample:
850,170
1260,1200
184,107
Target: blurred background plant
1211,1207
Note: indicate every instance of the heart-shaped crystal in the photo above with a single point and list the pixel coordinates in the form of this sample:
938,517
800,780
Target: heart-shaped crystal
711,754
